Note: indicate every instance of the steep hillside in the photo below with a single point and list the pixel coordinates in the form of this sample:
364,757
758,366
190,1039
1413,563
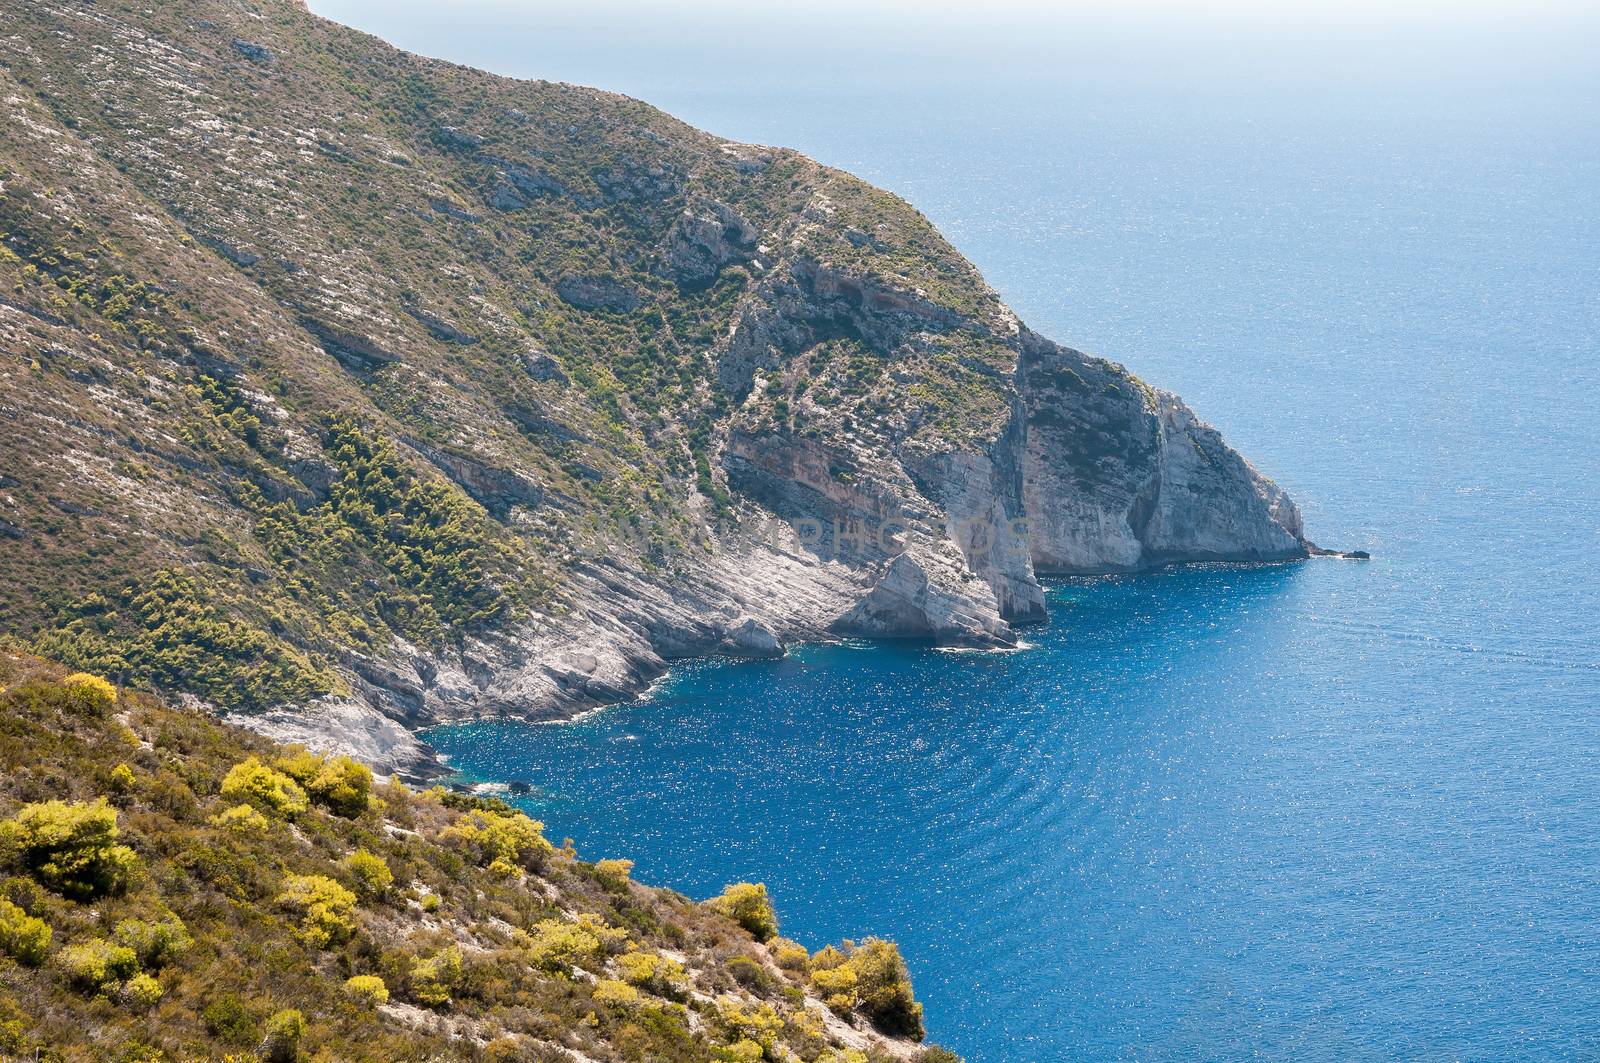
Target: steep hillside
173,888
349,390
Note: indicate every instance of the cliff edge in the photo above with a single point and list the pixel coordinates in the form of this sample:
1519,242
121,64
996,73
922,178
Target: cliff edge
408,393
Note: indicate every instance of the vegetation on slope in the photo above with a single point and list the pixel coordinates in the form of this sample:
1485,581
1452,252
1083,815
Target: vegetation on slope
371,347
173,888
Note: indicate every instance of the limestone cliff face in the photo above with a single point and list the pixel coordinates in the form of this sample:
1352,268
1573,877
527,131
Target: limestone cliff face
402,392
1119,477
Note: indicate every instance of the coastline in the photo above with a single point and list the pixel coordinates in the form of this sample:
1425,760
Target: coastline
620,671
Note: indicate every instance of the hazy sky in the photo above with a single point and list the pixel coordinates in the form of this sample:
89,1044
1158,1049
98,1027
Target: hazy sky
1542,45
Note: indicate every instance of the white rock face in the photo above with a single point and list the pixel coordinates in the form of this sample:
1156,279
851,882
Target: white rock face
749,637
1119,477
1211,503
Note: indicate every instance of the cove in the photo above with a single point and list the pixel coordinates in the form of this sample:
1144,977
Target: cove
1197,813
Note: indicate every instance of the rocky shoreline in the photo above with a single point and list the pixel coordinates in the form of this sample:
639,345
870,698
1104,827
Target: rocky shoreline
1092,473
495,397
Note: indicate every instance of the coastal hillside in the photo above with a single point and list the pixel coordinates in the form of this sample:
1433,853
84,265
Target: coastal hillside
348,391
176,888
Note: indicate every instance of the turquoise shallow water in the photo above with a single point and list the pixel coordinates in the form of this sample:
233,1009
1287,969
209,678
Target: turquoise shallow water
1326,811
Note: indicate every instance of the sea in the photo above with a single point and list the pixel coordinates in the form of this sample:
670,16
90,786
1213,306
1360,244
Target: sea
1330,810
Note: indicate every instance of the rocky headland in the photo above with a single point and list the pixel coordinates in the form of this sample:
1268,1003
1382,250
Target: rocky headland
411,394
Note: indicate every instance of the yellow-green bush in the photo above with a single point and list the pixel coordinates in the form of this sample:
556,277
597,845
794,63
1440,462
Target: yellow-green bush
339,784
743,1051
872,978
157,942
271,791
613,874
835,979
435,978
842,1055
372,874
739,1020
789,955
89,693
367,989
654,973
284,1031
96,963
501,842
69,847
557,945
23,937
122,779
747,904
614,992
141,991
242,819
325,908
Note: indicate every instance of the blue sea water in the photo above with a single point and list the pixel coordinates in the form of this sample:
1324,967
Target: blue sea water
1323,811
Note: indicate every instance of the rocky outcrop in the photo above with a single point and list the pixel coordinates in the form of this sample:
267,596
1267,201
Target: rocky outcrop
749,637
806,303
356,353
1117,476
597,293
496,489
707,238
440,329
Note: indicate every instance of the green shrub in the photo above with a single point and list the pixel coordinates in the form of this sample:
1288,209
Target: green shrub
96,963
283,1033
749,974
935,1054
23,937
339,784
613,874
433,979
228,1018
156,942
372,875
70,848
325,908
747,904
872,978
173,630
502,842
242,819
141,991
266,789
367,989
89,694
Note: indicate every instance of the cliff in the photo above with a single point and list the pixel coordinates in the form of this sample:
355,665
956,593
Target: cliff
397,392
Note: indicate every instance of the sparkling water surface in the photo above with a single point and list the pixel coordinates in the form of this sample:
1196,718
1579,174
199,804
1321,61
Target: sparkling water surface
1324,811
